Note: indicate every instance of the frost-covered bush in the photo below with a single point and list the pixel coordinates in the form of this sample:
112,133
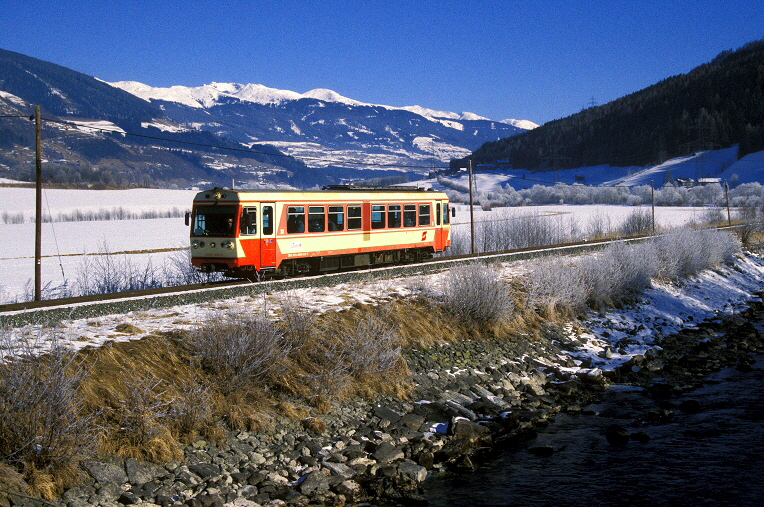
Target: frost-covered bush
556,286
509,229
639,221
474,292
106,273
618,272
686,252
240,348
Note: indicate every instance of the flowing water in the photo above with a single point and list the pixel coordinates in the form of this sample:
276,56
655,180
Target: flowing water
714,456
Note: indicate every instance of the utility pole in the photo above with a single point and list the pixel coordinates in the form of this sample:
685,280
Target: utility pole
727,196
652,195
38,208
472,215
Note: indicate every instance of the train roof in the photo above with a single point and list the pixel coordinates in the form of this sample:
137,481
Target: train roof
339,192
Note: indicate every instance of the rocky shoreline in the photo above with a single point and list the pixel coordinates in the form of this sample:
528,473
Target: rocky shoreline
472,399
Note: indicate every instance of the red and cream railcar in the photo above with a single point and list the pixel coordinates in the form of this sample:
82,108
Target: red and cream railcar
251,233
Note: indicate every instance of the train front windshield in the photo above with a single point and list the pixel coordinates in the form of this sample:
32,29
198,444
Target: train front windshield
214,221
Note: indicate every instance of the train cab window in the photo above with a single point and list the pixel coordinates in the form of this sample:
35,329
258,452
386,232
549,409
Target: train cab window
409,215
377,216
248,221
214,220
336,218
354,218
394,215
267,220
424,214
316,219
295,219
446,218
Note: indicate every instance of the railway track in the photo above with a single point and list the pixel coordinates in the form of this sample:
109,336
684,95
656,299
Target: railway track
50,312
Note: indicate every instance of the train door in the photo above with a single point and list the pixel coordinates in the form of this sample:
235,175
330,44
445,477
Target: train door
249,236
268,235
442,227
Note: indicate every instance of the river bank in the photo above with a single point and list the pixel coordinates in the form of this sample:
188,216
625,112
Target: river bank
473,400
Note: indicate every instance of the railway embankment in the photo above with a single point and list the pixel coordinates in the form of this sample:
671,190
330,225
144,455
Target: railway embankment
472,399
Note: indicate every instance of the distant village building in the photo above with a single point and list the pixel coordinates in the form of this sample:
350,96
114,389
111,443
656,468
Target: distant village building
689,182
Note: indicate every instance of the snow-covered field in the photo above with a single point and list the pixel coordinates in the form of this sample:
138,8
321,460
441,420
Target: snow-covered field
65,243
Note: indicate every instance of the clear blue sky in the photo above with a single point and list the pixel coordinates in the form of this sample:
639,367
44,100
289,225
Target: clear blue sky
525,59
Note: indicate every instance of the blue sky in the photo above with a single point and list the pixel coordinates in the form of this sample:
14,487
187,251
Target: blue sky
537,60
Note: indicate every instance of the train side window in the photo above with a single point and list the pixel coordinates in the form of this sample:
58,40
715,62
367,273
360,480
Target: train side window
248,221
424,214
336,218
316,219
437,213
295,219
394,215
267,220
446,218
378,216
409,215
354,218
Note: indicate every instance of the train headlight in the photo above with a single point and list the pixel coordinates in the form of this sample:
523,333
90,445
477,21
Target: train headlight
227,244
212,244
194,244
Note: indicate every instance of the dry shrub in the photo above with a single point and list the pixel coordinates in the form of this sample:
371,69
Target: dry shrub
314,424
296,320
239,349
45,428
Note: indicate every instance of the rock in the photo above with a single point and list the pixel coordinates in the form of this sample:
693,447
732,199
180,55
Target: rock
350,489
205,470
386,413
128,498
107,493
617,434
412,421
315,480
387,452
106,472
139,474
426,459
412,471
340,470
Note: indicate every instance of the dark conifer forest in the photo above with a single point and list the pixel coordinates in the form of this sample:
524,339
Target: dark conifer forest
716,105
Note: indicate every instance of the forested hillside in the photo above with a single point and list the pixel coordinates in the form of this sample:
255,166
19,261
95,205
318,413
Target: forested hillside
716,105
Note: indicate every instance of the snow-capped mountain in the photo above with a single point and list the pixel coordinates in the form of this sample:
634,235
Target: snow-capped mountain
324,128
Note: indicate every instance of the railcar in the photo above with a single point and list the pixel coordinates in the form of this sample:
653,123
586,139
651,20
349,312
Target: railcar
257,233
